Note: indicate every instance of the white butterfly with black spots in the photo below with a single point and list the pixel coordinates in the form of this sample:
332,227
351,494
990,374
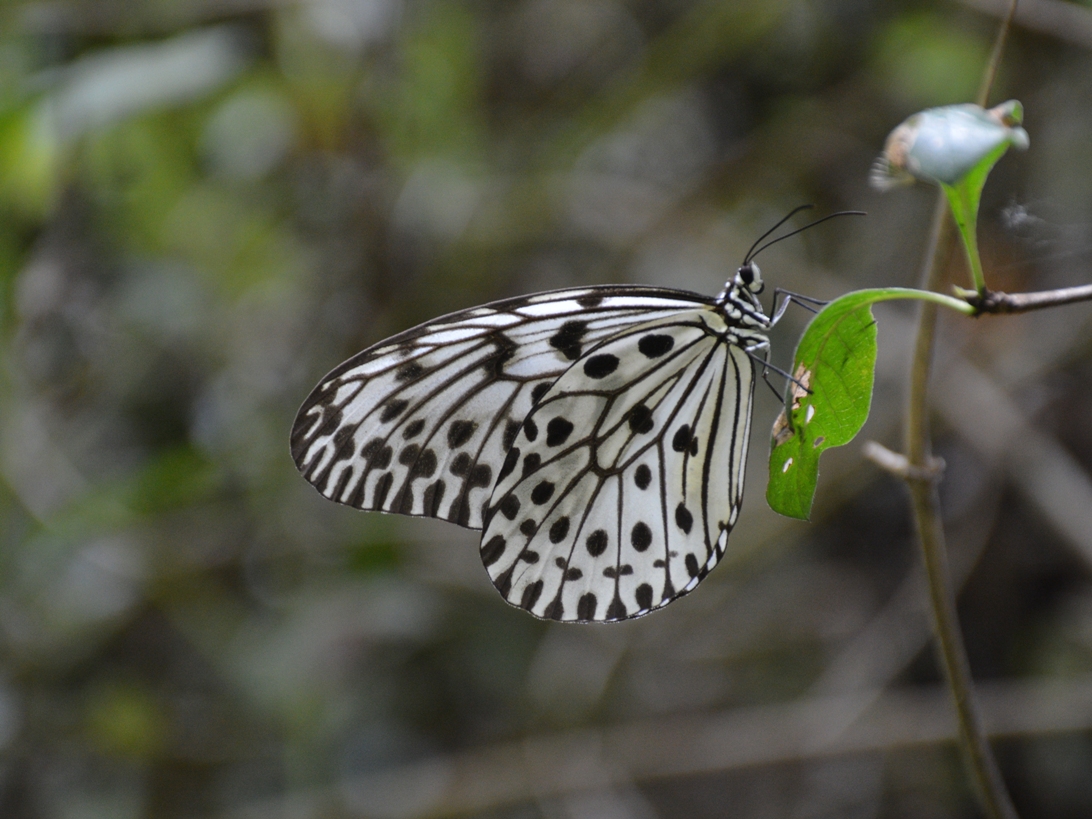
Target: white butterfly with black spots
598,435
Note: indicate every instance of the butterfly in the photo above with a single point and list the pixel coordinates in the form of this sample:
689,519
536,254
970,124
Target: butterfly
596,435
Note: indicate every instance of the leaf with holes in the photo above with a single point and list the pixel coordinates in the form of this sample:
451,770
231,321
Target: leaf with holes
828,402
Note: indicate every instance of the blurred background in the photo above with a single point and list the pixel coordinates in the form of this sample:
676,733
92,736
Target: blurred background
207,204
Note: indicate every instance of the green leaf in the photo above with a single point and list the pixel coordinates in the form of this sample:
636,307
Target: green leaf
963,198
834,367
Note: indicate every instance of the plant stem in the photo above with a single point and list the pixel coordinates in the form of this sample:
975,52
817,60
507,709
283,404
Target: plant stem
964,207
995,55
979,758
994,301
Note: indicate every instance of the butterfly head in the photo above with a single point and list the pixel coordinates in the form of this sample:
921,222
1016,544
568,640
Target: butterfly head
749,278
742,292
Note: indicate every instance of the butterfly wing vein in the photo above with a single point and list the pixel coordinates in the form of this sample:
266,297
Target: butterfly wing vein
628,504
420,423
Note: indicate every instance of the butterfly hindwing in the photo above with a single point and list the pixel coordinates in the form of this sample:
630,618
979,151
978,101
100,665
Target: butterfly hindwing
620,488
420,424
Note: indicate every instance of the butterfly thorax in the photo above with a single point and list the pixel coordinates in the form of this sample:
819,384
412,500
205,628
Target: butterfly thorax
739,300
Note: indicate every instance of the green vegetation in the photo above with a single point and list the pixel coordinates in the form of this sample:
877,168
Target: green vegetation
205,206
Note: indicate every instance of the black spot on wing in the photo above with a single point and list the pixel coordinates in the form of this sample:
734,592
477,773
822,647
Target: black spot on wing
403,501
640,537
590,300
357,498
596,543
654,345
504,349
530,429
683,518
434,496
510,461
492,551
617,609
459,433
555,610
424,466
531,595
531,463
480,476
376,454
559,530
509,507
511,430
539,390
644,596
600,366
460,465
382,487
392,409
692,567
681,441
342,437
542,493
413,429
642,476
558,431
473,475
567,340
409,371
585,607
640,419
503,582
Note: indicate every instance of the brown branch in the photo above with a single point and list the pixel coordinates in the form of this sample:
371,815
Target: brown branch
994,301
995,54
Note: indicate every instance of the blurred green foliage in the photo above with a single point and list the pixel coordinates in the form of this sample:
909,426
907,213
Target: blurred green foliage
204,206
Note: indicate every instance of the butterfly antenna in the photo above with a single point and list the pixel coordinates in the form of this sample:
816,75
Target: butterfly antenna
751,255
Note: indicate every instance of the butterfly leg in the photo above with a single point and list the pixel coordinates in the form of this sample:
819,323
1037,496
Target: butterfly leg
767,367
783,298
764,360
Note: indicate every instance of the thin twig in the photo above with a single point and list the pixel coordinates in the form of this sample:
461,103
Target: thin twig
898,465
1068,22
995,55
926,506
994,301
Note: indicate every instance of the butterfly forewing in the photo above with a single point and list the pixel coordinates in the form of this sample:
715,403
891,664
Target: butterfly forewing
624,480
420,424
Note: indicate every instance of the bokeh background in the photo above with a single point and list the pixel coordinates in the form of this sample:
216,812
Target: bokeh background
207,204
